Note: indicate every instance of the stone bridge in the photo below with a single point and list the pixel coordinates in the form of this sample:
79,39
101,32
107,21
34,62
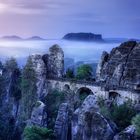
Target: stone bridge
92,87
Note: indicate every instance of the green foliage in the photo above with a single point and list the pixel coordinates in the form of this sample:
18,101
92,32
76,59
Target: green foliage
83,96
7,124
120,114
15,86
37,133
2,89
101,101
53,101
69,73
105,112
11,64
136,123
84,72
29,89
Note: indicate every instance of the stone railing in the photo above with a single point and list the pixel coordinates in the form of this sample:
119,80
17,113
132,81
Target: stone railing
90,82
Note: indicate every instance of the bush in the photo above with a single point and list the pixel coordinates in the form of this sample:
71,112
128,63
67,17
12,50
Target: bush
53,101
120,114
136,123
11,64
69,73
84,72
29,89
37,133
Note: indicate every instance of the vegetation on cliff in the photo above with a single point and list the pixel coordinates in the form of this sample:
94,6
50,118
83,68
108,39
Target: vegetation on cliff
120,114
70,73
53,100
84,72
37,133
136,123
29,89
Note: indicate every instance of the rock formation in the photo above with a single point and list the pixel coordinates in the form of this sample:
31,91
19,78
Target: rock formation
128,134
54,62
83,37
89,124
121,67
61,124
40,70
39,116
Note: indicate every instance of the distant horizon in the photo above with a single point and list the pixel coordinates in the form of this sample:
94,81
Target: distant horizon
55,18
45,37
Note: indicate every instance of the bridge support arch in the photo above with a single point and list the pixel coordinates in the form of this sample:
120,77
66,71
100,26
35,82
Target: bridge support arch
83,92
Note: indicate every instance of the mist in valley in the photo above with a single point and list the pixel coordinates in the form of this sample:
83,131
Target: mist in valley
78,51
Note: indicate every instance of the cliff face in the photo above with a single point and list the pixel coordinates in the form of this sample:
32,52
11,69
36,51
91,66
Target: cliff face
40,70
54,61
121,67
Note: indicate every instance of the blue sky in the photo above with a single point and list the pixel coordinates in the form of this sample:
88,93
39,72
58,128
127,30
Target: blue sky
54,18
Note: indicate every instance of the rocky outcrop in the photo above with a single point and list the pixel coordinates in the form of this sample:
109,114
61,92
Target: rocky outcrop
104,59
128,134
40,69
61,124
54,62
39,116
121,67
89,124
83,37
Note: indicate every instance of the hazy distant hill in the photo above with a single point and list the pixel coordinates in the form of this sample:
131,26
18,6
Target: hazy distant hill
35,38
83,37
13,37
17,38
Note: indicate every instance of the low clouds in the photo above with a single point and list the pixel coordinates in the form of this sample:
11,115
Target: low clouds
33,6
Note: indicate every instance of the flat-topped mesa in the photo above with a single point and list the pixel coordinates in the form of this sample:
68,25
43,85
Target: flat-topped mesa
83,37
54,61
121,68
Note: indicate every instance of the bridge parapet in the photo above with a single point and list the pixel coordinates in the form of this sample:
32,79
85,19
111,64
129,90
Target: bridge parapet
97,89
75,81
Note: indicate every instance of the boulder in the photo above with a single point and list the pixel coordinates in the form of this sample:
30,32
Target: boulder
128,134
39,116
89,124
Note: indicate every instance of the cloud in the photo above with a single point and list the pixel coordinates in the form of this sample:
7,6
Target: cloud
30,7
62,16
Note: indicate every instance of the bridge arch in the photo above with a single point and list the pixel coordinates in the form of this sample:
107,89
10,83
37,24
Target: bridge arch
66,87
115,96
57,85
83,92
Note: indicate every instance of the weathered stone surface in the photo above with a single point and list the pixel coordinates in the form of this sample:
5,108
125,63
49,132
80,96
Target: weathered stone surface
54,62
40,69
89,124
128,134
103,60
39,116
61,124
122,68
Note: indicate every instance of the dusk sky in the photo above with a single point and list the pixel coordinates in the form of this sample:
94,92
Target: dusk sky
54,18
